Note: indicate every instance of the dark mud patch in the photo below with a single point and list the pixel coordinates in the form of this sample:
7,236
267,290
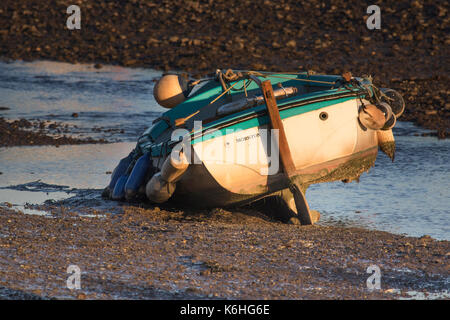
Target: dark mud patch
157,253
26,133
38,186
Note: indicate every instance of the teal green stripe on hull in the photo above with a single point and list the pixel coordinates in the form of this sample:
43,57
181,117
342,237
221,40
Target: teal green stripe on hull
259,121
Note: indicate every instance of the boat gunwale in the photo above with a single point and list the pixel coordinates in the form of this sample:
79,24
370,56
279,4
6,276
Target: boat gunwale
357,93
263,112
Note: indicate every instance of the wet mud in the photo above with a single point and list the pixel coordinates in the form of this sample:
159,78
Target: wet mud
133,252
34,133
408,53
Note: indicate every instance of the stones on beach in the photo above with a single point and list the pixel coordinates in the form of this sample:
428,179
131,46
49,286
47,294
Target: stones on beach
196,37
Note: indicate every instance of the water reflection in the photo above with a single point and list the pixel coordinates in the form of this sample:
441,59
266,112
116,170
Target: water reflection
101,97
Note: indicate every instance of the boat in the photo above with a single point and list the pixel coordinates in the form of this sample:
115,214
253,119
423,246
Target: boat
238,136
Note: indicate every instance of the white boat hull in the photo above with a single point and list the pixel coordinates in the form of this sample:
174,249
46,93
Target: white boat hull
326,144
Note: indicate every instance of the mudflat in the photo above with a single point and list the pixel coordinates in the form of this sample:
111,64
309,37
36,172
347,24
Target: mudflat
130,252
148,252
35,133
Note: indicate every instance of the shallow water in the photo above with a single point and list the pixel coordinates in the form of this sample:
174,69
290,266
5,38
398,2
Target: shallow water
112,97
410,196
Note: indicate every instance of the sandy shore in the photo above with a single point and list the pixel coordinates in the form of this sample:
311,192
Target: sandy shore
166,253
409,52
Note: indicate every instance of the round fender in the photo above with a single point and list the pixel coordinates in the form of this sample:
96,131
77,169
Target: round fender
119,189
171,90
137,176
174,168
120,170
158,190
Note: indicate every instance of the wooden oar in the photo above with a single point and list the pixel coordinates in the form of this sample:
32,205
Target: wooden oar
303,212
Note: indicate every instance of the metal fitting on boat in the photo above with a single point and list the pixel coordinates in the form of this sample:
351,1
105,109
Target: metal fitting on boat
394,99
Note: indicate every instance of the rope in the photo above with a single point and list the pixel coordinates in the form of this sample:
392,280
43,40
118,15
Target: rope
231,75
244,86
296,79
220,96
180,121
272,74
196,82
264,74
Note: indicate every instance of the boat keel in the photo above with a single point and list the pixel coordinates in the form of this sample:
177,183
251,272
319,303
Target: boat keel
284,207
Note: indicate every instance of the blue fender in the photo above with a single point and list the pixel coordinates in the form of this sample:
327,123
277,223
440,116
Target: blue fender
119,189
137,176
120,170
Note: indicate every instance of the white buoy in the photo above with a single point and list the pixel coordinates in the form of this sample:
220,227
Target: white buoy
163,184
374,116
159,190
171,90
172,168
371,117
